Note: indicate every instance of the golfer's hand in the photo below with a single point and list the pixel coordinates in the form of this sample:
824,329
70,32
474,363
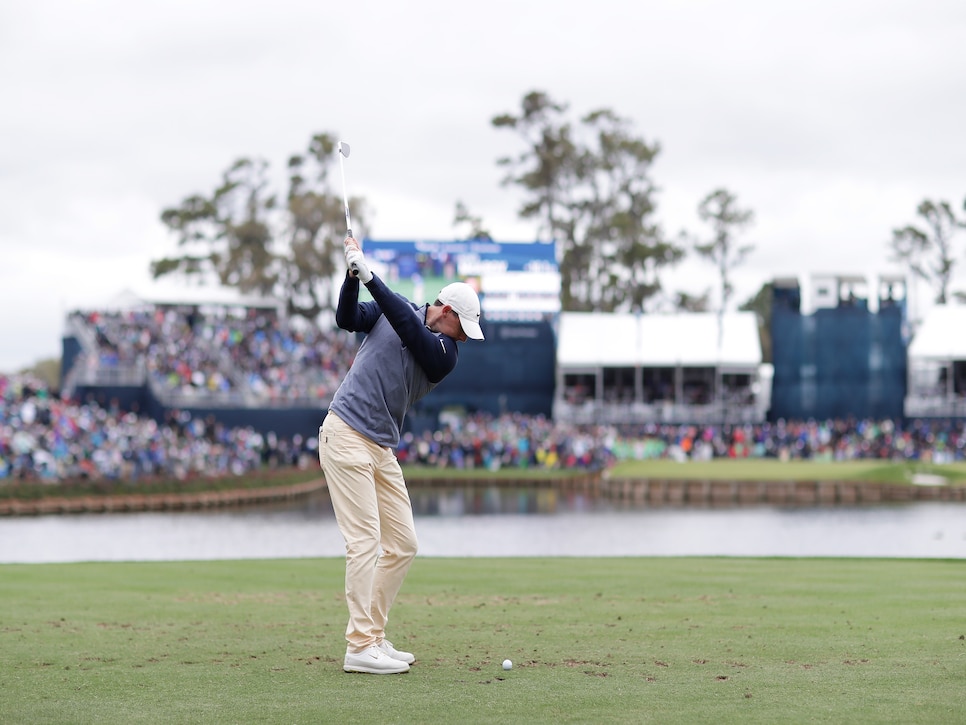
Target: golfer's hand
357,264
351,243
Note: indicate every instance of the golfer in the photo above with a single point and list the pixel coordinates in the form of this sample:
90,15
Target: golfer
406,352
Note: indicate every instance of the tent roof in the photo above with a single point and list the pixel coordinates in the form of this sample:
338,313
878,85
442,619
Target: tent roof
165,294
941,334
593,339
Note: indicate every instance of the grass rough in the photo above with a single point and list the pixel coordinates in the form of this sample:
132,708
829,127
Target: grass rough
609,640
770,469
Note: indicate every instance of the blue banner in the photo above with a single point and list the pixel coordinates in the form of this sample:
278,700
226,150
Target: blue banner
468,258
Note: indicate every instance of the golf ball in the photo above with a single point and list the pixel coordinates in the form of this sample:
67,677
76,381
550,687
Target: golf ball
507,665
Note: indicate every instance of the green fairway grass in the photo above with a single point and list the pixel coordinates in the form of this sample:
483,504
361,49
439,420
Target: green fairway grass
771,469
622,640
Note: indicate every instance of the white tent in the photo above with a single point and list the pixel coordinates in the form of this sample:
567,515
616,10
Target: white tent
162,293
940,337
682,367
936,365
688,339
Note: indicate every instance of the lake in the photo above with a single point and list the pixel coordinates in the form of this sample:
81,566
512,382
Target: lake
499,522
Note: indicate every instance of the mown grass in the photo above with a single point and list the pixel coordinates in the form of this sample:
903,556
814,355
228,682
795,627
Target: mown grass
875,471
621,640
521,473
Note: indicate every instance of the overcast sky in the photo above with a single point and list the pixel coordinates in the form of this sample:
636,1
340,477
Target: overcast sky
831,120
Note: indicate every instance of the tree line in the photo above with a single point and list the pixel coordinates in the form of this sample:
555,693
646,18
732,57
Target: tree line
586,182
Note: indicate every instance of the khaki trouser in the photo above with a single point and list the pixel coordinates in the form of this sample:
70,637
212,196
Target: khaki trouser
373,510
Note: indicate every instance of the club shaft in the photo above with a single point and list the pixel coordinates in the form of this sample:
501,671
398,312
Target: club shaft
354,270
345,198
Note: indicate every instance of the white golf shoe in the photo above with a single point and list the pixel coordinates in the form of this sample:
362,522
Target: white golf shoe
407,657
373,661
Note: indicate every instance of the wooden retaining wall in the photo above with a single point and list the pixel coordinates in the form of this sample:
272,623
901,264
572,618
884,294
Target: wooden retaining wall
157,501
659,492
679,492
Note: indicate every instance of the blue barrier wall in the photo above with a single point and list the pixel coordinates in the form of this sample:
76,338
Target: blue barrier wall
839,362
513,370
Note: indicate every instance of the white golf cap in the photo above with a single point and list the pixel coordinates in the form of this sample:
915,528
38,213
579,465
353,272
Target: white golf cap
465,302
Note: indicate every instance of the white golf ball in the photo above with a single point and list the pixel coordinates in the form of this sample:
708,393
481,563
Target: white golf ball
507,665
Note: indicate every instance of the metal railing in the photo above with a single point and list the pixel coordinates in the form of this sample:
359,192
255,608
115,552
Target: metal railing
934,406
600,413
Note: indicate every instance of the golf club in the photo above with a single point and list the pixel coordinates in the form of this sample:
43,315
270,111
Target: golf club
343,149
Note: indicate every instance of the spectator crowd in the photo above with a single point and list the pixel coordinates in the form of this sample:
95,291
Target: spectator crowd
268,358
44,437
194,354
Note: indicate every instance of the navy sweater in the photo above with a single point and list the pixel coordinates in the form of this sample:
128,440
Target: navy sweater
398,363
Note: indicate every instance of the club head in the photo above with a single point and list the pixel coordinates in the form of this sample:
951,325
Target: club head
344,149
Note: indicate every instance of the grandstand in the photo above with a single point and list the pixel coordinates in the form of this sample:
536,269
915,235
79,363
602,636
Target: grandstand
215,384
843,353
242,362
237,360
837,353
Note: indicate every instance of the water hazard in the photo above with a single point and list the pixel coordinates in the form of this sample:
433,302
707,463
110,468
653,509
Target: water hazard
478,522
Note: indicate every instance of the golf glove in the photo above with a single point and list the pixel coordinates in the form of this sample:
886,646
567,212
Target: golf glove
357,265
